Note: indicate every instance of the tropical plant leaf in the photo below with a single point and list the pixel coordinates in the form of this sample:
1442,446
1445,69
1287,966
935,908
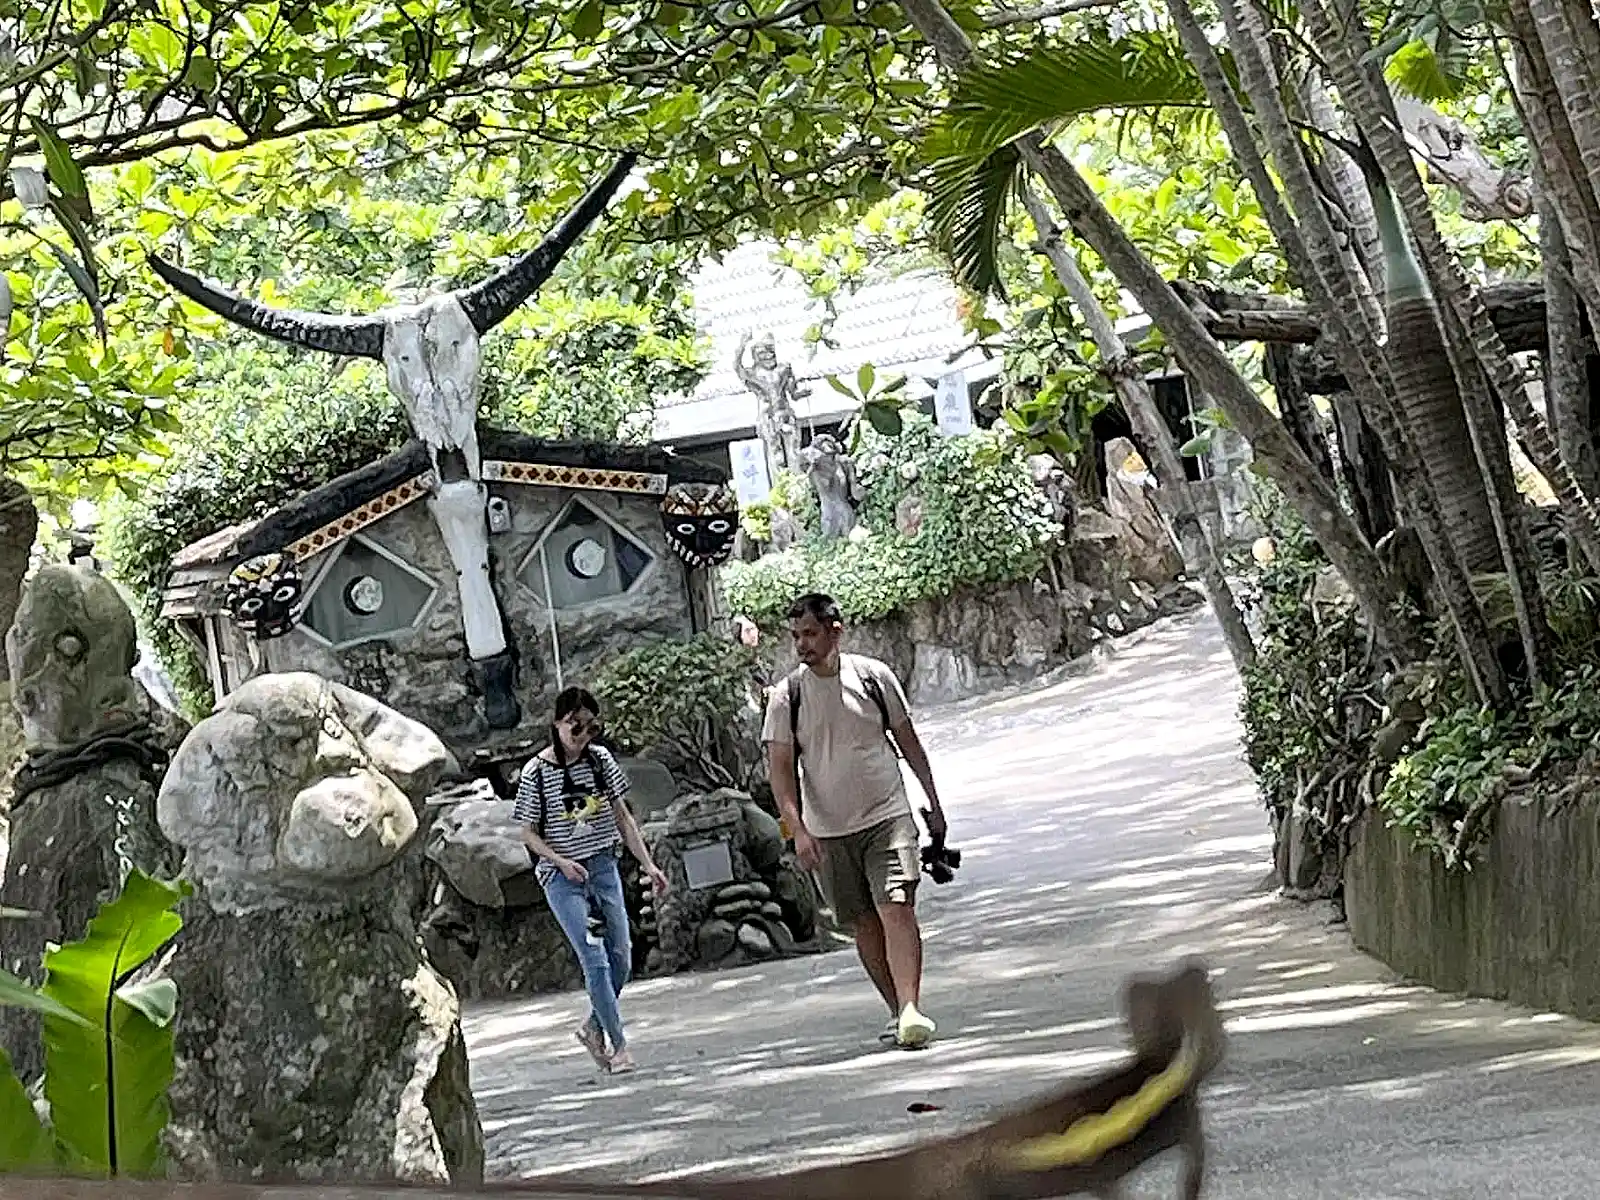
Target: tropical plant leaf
107,1084
995,104
19,993
85,283
63,172
967,211
973,164
1418,71
25,1143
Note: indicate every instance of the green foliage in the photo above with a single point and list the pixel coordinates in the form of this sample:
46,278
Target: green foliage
1292,705
677,695
969,146
108,1045
984,522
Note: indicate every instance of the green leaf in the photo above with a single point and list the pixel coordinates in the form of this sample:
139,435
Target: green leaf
1418,71
840,386
25,1143
85,283
864,378
967,210
884,417
19,993
107,1083
1196,446
589,20
63,172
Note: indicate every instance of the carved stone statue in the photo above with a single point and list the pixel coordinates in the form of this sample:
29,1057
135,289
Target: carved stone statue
833,475
1129,498
84,796
776,391
317,1042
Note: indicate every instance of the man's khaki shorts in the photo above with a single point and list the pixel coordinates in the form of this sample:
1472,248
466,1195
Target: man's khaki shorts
872,867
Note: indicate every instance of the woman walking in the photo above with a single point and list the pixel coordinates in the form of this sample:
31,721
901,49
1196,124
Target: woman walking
572,803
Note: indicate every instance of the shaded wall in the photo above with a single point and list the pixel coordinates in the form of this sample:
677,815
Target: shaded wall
1520,926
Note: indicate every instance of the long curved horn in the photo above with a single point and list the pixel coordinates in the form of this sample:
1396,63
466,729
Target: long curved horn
490,302
349,336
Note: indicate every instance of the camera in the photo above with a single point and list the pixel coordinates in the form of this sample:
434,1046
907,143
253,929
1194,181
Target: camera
939,861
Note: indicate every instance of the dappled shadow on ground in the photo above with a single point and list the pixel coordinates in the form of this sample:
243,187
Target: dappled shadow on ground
1109,826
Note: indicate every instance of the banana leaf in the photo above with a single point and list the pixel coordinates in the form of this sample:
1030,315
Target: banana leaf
25,1143
106,1079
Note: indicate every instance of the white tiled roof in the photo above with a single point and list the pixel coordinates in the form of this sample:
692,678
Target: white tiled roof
908,325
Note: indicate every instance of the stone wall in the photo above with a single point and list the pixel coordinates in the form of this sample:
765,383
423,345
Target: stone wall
424,673
980,639
1520,926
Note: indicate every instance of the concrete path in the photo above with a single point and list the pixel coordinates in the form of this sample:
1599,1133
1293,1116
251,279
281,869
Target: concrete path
1108,825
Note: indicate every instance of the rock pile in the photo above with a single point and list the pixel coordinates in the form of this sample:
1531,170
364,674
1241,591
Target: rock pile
766,909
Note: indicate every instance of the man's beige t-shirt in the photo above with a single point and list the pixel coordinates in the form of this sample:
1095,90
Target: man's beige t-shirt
849,774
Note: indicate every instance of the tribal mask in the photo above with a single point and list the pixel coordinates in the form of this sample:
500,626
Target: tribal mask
264,593
701,520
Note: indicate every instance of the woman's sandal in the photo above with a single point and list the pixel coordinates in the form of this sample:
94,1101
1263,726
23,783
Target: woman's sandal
621,1062
594,1041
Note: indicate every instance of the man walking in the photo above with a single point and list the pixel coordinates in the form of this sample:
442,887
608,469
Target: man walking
826,730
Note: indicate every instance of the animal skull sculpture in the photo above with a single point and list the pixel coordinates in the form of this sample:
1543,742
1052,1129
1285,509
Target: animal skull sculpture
431,356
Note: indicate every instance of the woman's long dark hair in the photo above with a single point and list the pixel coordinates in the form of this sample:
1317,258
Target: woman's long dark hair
573,699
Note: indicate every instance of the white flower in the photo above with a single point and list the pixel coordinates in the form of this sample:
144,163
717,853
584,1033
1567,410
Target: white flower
909,471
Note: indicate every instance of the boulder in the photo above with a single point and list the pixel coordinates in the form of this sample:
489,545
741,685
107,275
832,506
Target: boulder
715,940
754,940
285,795
479,848
316,1041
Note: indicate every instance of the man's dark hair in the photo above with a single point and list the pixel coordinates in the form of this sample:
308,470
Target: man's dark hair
815,604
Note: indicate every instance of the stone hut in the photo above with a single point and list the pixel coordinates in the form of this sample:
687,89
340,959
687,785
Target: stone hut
353,581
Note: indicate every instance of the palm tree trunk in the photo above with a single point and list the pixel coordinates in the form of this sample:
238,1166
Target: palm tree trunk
1566,382
1346,304
1557,158
1461,304
1174,494
1468,333
1204,361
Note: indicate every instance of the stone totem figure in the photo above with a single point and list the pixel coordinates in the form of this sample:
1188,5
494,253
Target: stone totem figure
833,474
776,391
316,1041
84,795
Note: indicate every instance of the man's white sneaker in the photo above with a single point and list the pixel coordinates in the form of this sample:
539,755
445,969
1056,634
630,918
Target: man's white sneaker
914,1030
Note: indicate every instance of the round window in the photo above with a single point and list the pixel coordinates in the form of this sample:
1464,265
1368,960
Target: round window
586,559
363,595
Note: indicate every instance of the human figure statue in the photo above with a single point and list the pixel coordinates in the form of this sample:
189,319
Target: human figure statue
1129,497
776,391
833,474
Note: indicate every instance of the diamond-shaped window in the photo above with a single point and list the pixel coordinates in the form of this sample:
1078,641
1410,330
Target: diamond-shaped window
585,557
366,593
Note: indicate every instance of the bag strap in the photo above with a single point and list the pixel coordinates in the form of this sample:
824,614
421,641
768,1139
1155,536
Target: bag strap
538,790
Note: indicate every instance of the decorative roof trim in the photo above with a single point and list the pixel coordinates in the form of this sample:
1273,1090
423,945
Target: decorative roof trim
363,515
594,479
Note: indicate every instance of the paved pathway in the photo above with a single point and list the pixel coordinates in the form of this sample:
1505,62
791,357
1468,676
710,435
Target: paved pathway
1108,825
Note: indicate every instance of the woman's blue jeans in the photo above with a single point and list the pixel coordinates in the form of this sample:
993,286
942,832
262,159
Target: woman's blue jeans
607,966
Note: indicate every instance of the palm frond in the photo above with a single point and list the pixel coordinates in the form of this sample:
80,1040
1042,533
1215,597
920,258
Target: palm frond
967,211
998,103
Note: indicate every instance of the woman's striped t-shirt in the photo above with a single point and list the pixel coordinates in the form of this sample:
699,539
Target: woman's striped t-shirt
577,806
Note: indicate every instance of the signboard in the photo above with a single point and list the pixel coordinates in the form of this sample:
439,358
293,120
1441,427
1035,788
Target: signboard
750,479
951,406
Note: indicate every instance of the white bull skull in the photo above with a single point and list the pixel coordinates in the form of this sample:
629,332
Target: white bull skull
431,356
